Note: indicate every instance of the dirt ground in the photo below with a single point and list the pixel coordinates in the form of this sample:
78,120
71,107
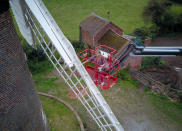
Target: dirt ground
136,112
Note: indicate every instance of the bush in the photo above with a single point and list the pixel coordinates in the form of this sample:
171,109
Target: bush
78,46
162,62
39,66
37,60
150,61
34,54
142,32
124,74
145,32
153,31
180,96
177,1
147,88
164,20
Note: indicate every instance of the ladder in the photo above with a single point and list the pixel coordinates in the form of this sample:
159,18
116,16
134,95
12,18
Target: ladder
58,48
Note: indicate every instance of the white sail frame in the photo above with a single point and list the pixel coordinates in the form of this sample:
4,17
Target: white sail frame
57,48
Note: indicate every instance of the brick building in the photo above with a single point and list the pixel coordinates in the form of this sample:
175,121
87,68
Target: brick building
95,30
94,27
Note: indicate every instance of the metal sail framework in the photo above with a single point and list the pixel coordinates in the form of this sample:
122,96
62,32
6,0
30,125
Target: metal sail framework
62,55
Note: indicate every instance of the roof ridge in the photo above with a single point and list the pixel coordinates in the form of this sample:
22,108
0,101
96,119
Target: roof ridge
93,14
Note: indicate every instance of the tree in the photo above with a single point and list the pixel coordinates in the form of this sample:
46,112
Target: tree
159,13
155,10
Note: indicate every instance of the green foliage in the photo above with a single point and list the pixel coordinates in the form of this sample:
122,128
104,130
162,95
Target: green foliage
78,46
155,10
162,62
135,83
147,88
142,32
177,1
145,32
124,74
39,66
150,61
37,61
34,54
161,15
180,96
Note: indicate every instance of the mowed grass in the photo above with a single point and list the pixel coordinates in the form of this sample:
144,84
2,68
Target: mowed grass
68,15
127,14
124,98
60,118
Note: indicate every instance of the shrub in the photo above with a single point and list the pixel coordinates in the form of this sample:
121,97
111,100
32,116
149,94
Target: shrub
147,88
37,60
78,46
164,20
145,32
39,66
180,96
124,74
34,54
150,61
162,62
153,31
177,1
142,32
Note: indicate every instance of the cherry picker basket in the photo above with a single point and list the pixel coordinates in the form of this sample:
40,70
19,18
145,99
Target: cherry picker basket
103,76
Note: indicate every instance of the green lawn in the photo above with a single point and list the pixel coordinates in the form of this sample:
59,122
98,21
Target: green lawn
69,13
60,118
125,99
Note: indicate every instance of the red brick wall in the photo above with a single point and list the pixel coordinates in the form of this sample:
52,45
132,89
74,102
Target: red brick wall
86,38
147,41
134,62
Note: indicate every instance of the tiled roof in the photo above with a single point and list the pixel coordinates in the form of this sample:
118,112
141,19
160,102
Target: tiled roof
94,23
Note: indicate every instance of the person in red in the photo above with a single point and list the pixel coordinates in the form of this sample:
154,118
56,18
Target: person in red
100,62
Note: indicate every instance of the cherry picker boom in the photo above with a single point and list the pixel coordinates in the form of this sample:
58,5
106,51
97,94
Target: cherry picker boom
133,50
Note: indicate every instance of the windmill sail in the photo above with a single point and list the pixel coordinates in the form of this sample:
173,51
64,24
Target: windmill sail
58,48
18,11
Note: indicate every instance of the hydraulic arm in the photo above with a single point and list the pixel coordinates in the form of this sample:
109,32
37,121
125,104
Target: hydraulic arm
133,50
